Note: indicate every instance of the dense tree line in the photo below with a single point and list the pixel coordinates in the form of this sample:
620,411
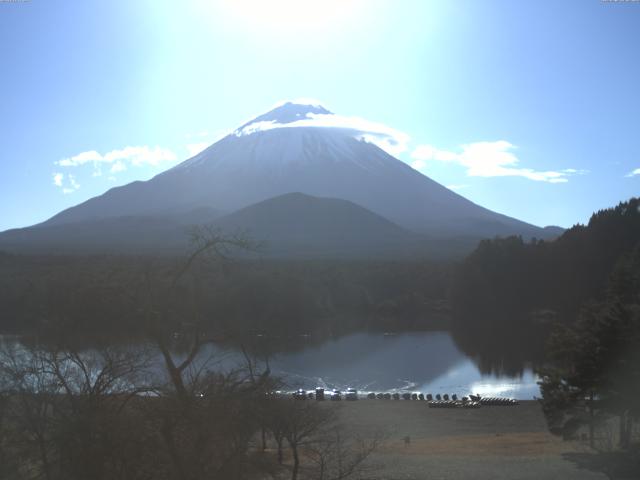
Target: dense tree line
99,294
509,292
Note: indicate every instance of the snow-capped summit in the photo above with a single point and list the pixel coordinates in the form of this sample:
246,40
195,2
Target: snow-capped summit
287,112
301,131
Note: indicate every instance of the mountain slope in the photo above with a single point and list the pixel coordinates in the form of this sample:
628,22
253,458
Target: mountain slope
125,234
289,225
296,148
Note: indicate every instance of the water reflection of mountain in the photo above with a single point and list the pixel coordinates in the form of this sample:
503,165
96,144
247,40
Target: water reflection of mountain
500,351
374,361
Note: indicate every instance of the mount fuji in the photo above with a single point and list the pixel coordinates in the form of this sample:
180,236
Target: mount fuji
295,148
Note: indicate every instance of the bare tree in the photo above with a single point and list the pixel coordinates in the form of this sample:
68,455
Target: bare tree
209,245
64,406
317,440
275,413
207,418
5,455
338,455
30,400
302,422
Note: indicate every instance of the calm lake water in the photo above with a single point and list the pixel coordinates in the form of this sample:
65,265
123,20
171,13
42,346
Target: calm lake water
427,362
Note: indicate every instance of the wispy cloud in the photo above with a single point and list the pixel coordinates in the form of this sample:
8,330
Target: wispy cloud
489,159
118,166
80,159
68,183
58,178
633,173
115,161
72,184
128,156
389,139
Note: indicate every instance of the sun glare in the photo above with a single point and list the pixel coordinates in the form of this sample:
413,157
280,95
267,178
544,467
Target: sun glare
293,15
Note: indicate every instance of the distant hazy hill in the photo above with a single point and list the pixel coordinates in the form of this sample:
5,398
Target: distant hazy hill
296,224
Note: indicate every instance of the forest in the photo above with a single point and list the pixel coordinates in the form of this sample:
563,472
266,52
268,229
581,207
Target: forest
101,295
509,293
575,302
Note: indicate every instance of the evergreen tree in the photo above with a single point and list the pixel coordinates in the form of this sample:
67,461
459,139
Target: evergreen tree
595,363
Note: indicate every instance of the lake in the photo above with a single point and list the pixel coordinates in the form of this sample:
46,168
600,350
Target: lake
428,362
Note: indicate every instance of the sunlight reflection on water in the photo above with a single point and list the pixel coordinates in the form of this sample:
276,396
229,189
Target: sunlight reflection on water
427,362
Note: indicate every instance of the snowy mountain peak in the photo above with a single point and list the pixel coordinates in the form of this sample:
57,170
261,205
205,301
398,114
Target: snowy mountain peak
303,147
287,112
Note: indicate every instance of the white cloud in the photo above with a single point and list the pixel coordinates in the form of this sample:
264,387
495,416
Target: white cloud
118,160
118,166
58,178
489,159
67,184
389,139
80,159
138,156
133,156
633,173
393,144
72,181
70,186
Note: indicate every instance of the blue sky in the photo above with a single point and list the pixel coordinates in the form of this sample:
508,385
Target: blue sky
531,108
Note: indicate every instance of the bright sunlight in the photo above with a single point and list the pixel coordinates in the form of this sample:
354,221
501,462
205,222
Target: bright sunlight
294,15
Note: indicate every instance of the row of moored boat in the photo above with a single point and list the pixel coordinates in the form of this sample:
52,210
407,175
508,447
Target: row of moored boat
434,401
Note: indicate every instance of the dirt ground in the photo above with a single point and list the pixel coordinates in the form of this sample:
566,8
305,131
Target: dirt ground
486,443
